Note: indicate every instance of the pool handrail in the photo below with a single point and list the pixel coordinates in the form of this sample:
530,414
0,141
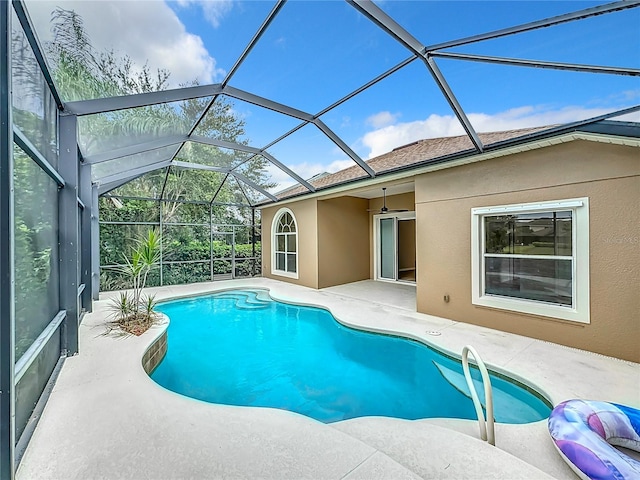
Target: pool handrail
487,428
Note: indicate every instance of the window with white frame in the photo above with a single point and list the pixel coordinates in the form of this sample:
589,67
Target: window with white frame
533,258
285,244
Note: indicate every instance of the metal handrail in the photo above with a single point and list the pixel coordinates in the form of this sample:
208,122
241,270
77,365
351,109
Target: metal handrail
487,428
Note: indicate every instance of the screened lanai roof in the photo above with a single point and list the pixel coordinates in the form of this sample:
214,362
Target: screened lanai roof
333,86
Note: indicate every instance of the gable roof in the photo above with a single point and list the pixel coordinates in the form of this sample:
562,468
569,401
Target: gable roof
443,149
408,155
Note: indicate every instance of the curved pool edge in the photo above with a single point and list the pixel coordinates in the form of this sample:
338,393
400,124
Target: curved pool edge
505,374
157,349
429,341
110,388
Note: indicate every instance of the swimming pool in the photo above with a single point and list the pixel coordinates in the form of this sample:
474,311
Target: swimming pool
243,348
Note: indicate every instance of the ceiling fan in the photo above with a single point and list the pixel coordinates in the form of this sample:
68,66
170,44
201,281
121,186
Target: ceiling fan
384,208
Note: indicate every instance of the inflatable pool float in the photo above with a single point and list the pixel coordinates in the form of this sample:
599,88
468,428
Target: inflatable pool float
585,432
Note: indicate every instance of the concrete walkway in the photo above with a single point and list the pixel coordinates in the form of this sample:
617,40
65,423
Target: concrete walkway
107,419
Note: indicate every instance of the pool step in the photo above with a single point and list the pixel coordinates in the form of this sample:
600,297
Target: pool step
248,300
252,306
263,296
505,409
457,381
251,301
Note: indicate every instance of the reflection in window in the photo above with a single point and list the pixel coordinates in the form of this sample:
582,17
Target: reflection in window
34,109
544,280
528,256
33,381
285,243
533,258
36,250
546,233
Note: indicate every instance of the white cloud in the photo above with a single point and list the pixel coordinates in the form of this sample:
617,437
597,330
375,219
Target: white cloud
385,139
214,10
338,165
382,119
306,170
148,31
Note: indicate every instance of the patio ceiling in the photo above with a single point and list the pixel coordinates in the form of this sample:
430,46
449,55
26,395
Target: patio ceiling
120,159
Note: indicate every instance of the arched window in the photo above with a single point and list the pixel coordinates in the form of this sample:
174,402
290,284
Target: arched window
285,244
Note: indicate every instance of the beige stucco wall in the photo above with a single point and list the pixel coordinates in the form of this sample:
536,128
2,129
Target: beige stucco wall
333,241
306,214
608,174
343,241
403,201
335,238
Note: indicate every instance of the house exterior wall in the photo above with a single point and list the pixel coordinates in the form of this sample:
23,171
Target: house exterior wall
335,238
609,175
343,237
306,215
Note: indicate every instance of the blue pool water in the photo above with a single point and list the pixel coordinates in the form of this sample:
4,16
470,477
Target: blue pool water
242,348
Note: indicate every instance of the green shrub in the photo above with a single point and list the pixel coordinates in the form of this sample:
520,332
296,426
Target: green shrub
182,249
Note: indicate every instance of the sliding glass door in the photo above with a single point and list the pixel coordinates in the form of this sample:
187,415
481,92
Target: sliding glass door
395,247
387,250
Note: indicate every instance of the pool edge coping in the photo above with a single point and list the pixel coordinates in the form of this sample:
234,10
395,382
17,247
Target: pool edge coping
498,371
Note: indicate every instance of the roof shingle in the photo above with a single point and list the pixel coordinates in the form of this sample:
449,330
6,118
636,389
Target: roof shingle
407,155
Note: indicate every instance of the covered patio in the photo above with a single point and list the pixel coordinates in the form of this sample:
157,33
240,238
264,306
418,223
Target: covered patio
396,295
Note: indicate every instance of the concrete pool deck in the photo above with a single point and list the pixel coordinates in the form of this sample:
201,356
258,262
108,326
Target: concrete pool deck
106,418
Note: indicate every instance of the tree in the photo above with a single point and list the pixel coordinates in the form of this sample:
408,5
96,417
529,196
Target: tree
81,72
35,193
134,312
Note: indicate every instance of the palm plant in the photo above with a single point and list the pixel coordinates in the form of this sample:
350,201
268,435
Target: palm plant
145,256
121,307
148,304
134,308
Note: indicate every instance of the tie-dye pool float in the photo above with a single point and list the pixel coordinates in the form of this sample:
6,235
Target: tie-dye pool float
584,433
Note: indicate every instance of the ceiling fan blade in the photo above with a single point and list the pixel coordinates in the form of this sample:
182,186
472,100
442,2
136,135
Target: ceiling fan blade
388,210
384,208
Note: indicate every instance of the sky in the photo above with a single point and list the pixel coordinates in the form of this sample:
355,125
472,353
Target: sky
316,52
